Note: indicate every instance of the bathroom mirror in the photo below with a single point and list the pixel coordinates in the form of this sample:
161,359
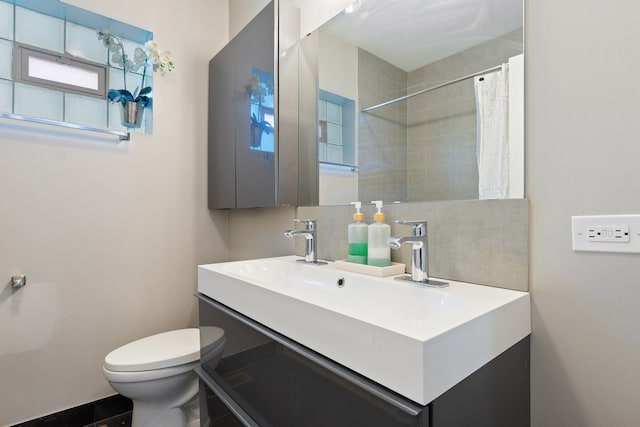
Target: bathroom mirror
416,100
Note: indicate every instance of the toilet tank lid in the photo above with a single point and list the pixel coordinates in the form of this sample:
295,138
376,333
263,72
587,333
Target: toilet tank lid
158,351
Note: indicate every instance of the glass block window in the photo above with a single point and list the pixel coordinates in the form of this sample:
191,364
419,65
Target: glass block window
6,49
38,102
6,95
37,29
336,129
84,109
66,38
6,21
80,41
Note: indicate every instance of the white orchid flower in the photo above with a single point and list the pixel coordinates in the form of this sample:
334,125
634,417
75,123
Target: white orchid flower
148,55
117,58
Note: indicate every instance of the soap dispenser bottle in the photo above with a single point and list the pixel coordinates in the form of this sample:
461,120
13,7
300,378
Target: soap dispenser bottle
379,233
357,233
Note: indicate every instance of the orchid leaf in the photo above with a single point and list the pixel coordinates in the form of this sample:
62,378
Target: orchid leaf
143,100
119,95
145,91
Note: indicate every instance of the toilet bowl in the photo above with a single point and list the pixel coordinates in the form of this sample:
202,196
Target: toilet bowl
156,373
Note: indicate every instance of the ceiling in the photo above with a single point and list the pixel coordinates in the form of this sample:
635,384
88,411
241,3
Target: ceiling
413,33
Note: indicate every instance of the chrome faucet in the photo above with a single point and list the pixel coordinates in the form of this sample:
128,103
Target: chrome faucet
310,234
420,253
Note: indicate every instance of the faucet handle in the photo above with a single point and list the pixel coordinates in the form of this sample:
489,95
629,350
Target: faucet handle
418,227
310,224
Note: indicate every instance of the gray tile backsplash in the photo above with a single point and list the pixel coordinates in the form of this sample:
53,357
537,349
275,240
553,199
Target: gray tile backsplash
476,241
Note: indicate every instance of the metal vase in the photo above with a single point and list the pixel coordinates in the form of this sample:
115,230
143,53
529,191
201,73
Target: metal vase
256,136
132,114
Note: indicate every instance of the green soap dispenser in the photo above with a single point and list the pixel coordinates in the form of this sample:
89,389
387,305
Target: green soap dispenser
357,233
379,250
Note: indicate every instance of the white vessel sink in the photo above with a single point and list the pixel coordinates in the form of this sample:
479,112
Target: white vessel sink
415,340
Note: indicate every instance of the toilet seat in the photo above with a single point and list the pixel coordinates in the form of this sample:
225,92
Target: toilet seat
167,350
141,376
164,350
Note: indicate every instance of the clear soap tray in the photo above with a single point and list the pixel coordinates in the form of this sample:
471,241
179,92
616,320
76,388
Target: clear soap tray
392,270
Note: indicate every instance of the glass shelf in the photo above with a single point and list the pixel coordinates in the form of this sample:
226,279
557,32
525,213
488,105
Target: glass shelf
352,168
122,135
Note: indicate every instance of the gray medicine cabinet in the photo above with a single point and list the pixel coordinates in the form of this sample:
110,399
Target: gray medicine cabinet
257,156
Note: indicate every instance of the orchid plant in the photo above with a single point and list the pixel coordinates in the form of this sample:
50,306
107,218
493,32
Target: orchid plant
148,55
258,90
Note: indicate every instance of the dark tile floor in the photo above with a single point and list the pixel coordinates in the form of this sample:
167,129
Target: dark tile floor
108,412
122,420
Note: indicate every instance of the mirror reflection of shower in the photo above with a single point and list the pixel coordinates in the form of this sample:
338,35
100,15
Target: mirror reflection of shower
422,147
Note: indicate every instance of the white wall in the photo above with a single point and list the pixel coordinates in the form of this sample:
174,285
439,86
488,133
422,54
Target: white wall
338,66
241,12
313,13
583,155
109,234
316,12
338,74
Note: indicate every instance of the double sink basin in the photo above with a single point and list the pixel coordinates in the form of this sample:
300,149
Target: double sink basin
415,340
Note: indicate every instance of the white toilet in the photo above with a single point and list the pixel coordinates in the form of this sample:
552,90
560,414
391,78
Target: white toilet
156,373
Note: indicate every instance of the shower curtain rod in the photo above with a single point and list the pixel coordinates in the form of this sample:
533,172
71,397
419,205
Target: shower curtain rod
429,89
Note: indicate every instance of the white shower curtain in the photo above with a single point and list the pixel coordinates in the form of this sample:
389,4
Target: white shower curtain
492,107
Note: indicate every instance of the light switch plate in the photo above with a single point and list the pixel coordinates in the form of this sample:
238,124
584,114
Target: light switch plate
606,233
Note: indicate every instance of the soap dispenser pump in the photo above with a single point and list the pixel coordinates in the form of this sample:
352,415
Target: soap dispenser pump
379,233
357,233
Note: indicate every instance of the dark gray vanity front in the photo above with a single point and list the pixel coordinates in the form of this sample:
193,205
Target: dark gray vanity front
266,379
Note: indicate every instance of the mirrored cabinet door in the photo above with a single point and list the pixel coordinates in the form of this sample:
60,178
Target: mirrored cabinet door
221,153
253,128
242,118
255,112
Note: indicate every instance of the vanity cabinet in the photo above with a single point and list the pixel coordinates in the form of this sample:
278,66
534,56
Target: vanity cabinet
266,379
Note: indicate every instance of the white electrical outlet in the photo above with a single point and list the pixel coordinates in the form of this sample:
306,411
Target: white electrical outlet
606,233
618,233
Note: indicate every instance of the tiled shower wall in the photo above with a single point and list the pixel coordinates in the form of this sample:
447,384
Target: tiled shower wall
423,148
442,129
382,134
476,241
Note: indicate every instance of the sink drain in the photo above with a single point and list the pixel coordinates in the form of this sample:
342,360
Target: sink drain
340,281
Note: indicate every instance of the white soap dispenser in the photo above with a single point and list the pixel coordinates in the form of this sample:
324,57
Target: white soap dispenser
379,233
357,233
